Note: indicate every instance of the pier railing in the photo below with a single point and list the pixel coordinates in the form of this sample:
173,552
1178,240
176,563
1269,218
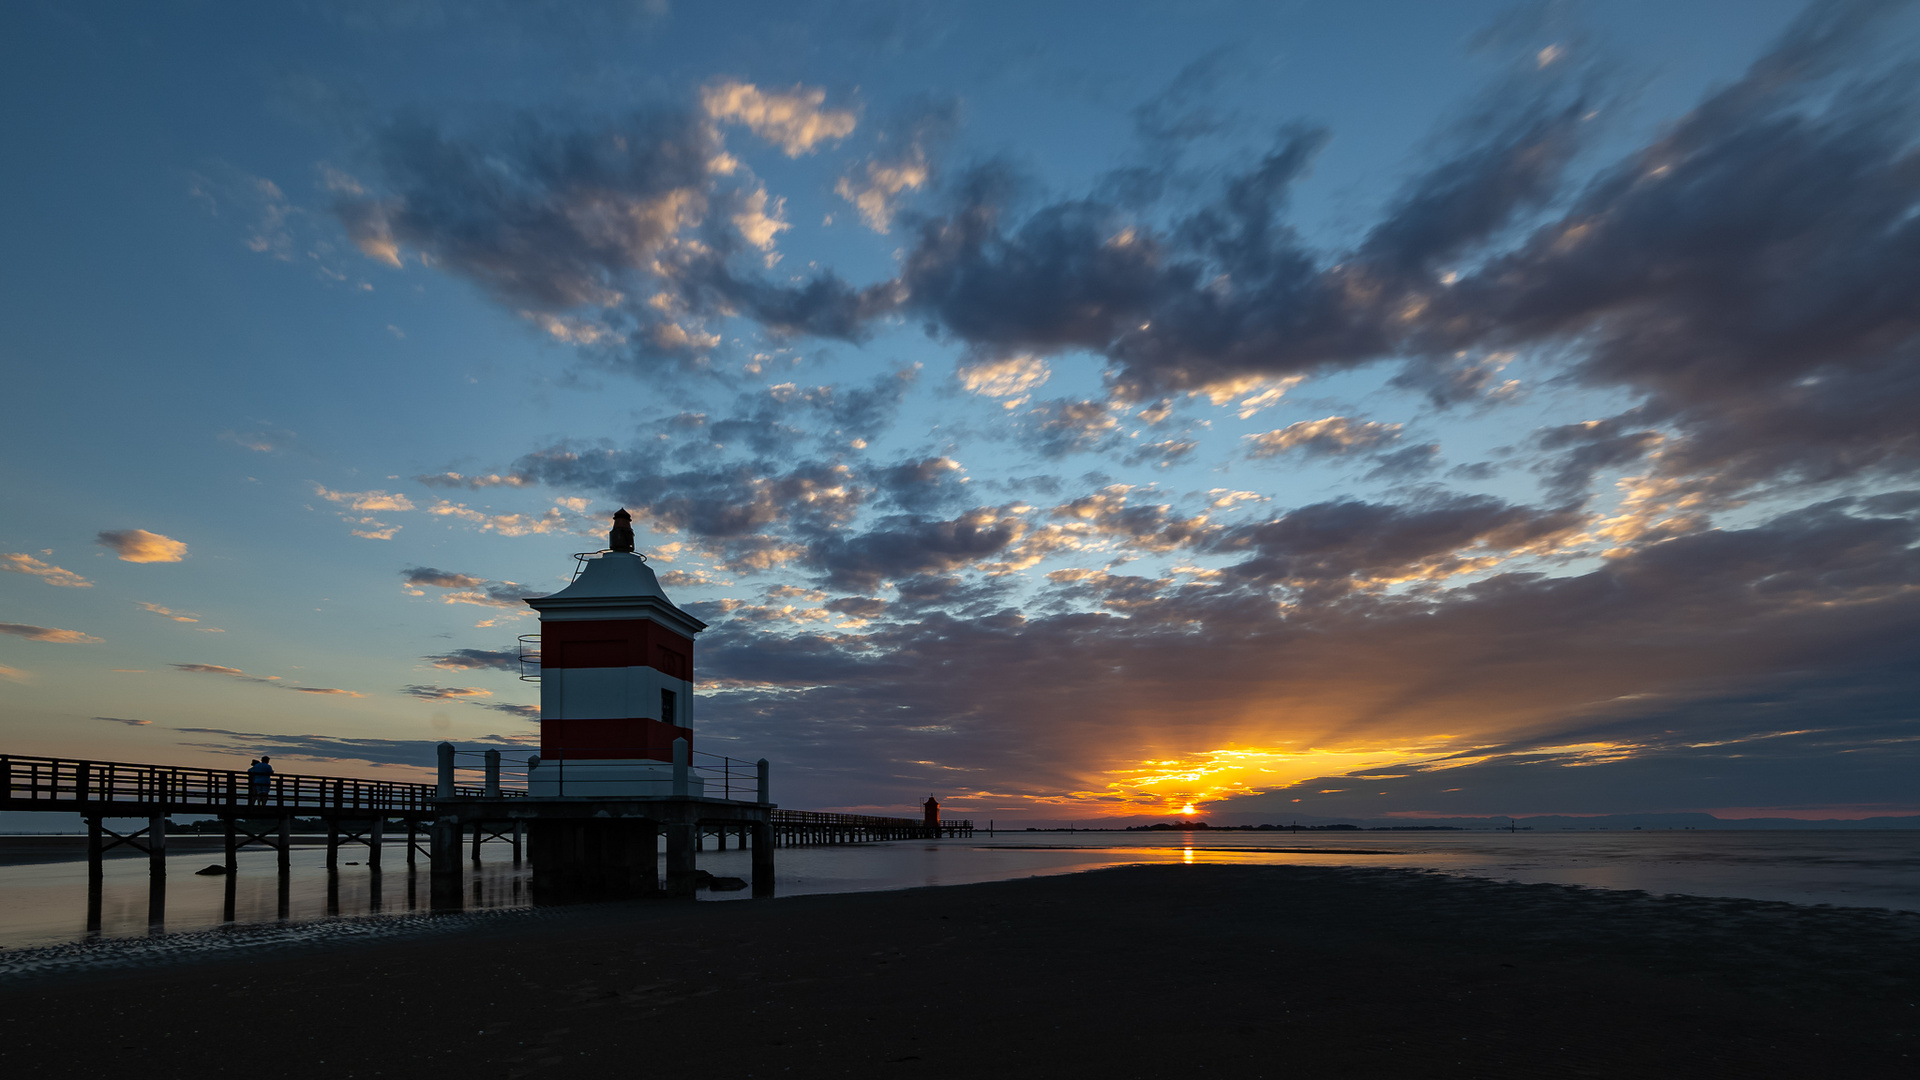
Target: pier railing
38,783
135,790
721,777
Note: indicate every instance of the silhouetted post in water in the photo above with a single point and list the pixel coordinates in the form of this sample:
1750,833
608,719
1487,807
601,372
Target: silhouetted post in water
286,848
376,837
519,838
233,847
227,900
95,885
444,853
333,891
157,868
762,852
680,877
444,842
413,851
333,844
96,850
493,774
479,833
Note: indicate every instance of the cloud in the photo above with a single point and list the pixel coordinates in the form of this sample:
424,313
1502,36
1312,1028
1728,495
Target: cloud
13,674
264,441
792,119
907,545
124,720
445,693
477,660
267,680
167,613
141,546
624,238
364,501
456,480
1003,378
875,191
21,563
413,753
1329,548
874,188
48,633
1331,436
524,712
1063,426
467,589
212,669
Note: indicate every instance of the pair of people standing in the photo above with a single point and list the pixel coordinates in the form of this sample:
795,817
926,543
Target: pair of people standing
259,780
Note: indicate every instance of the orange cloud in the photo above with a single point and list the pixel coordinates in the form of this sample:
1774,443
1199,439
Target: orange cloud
22,563
141,546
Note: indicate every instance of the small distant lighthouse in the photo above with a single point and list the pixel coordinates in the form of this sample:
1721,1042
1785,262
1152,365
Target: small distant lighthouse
616,678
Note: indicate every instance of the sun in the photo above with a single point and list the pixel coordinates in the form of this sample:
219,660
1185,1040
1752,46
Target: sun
1188,809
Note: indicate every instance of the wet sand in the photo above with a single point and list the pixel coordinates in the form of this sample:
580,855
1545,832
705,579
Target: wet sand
1134,972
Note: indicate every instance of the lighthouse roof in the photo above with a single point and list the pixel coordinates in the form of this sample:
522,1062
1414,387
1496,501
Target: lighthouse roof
615,585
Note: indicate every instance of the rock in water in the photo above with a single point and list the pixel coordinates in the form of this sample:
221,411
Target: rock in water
215,869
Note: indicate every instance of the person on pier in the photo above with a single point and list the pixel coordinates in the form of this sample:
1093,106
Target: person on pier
259,780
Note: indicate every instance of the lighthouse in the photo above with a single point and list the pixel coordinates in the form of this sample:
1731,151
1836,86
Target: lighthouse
616,679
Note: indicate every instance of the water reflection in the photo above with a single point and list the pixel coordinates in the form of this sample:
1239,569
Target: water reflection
50,903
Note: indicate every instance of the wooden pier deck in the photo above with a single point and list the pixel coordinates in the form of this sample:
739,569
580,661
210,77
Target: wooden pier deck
357,811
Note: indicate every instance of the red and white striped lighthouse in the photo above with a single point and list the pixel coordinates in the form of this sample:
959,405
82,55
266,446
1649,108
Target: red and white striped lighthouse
616,678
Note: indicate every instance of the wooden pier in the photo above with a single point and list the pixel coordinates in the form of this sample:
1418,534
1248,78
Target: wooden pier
579,843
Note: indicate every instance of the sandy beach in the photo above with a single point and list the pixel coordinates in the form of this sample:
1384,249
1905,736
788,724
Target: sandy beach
1130,972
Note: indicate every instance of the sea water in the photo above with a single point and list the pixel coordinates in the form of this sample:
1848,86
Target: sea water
46,903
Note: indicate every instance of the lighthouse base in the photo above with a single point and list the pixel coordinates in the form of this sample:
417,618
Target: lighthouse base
617,857
589,847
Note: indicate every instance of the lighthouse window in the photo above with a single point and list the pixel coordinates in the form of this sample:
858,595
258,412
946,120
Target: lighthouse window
669,706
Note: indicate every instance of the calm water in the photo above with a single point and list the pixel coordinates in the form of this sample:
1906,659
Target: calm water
46,903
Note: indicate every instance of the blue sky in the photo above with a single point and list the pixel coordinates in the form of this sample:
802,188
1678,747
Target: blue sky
1072,410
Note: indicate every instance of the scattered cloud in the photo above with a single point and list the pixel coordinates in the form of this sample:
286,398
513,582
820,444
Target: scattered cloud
21,563
124,720
267,680
445,693
1008,377
48,633
467,589
167,613
792,119
364,501
1331,436
141,546
262,441
477,660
